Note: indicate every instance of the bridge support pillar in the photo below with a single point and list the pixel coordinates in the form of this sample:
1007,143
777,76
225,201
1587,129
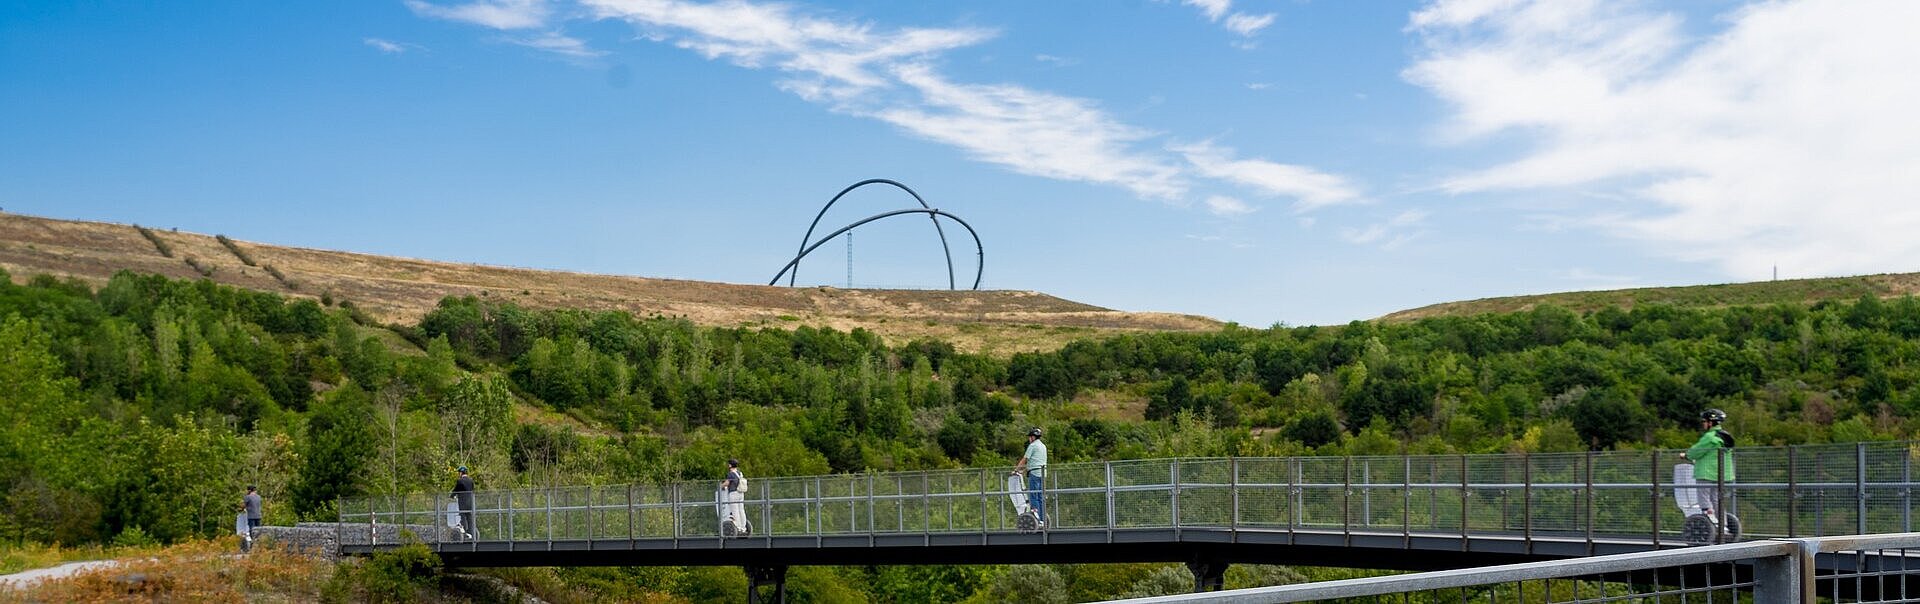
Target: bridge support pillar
766,576
1208,575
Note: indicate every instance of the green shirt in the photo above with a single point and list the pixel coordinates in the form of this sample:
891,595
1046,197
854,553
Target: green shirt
1036,457
1706,457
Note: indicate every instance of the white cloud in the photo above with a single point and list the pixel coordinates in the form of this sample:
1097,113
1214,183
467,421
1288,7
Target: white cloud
1247,25
1244,24
1221,205
1786,137
889,74
1031,132
560,44
1389,234
388,46
862,70
1213,9
1310,188
497,14
1056,61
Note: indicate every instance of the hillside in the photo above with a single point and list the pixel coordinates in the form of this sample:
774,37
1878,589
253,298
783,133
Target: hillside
402,290
1695,296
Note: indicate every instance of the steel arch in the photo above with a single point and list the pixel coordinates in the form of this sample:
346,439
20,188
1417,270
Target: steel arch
979,250
944,248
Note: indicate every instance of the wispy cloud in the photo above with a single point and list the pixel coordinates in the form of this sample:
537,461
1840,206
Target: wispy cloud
497,14
890,74
1388,234
1056,61
391,47
1221,205
559,44
1310,188
1244,24
883,74
1787,136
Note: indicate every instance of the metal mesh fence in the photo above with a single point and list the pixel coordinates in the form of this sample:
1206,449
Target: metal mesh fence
1813,490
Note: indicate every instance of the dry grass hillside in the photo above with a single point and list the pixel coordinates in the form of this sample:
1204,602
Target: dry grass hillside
1795,291
401,290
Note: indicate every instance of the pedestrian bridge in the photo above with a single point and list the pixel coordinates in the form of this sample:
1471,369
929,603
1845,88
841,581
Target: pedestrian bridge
1422,512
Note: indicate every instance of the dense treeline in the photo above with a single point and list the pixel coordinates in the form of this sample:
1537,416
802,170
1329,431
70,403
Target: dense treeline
138,411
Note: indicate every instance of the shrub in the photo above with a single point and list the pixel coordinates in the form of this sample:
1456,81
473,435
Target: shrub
165,250
235,248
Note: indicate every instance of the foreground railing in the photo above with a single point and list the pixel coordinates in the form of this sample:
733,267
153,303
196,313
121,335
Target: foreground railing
1865,568
1798,491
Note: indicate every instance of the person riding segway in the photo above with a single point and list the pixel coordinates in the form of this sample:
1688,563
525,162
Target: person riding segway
1033,464
1710,464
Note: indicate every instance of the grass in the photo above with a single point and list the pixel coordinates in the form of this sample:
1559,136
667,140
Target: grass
197,571
16,558
1792,291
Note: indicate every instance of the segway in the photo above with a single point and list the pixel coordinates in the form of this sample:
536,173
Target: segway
1700,528
731,507
454,526
245,530
1026,519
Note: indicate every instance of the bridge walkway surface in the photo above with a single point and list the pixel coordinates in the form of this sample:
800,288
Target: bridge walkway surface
1423,512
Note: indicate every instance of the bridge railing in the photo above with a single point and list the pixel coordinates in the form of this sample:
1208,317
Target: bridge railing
1859,568
1798,491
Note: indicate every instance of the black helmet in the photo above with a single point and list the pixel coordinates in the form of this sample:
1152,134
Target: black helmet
462,470
733,463
1713,415
1034,432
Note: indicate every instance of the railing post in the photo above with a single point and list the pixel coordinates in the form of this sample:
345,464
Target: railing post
510,529
674,507
1787,579
1233,483
1859,487
1526,500
1589,495
1366,492
1293,498
1346,500
1466,526
1406,501
1720,494
1793,491
1654,473
1112,518
1906,491
549,515
1174,494
633,527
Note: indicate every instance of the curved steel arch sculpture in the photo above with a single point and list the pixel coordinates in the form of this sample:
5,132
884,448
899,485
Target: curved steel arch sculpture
944,248
979,250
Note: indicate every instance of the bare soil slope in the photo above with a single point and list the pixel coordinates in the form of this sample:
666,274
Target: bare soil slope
401,290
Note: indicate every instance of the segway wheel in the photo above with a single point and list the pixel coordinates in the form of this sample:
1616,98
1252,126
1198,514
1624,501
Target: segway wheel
729,529
1732,532
1698,530
1027,522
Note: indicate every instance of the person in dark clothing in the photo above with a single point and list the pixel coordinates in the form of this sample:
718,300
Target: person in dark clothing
252,503
463,494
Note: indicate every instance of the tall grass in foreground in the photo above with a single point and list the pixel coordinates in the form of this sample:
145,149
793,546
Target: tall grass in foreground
198,571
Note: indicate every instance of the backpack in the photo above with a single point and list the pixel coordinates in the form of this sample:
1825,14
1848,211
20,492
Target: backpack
1724,437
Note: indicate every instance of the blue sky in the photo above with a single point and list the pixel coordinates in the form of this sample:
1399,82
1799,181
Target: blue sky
1260,162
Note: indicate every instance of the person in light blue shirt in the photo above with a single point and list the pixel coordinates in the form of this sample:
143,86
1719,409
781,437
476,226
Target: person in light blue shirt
1034,463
